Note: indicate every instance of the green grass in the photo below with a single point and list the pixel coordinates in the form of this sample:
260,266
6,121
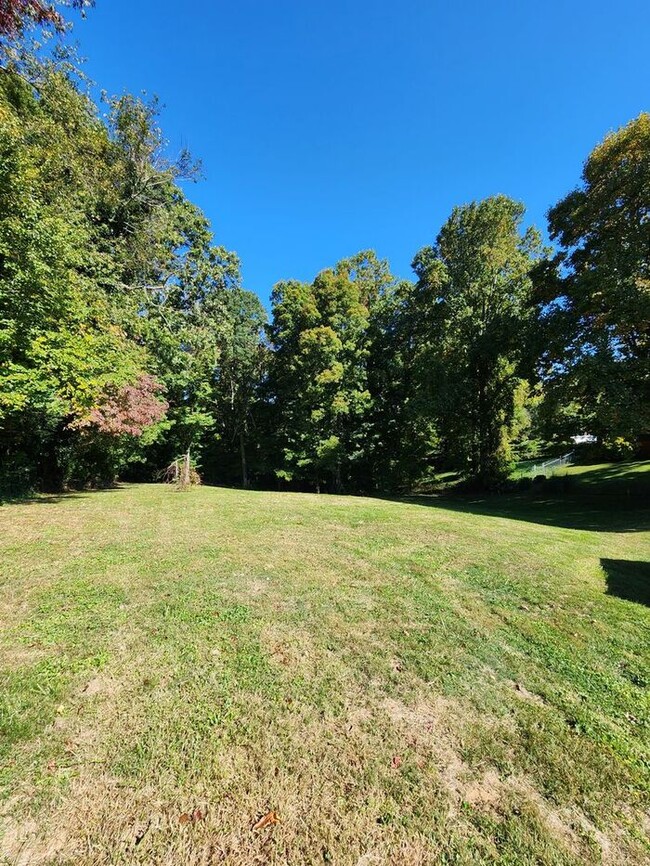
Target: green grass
604,477
600,477
459,680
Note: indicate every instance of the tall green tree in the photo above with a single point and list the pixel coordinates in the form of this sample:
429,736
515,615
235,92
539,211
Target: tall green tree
319,377
108,274
61,348
403,441
239,375
473,305
594,296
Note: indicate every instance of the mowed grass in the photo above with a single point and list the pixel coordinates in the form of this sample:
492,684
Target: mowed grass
434,681
631,476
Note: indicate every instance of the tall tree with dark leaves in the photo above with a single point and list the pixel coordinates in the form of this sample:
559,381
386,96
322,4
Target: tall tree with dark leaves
238,380
402,443
180,293
594,297
473,299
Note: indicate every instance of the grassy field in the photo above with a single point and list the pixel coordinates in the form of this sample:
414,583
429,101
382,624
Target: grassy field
600,477
433,681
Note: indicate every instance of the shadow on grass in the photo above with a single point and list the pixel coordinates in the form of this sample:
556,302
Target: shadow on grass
628,579
591,513
54,498
632,477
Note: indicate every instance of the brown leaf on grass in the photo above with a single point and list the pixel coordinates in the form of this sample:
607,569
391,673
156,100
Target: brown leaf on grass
192,817
266,821
396,763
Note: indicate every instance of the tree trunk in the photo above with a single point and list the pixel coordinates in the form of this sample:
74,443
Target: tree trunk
185,481
338,484
51,472
480,469
242,453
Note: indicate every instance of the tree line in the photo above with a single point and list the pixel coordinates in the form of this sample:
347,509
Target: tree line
127,338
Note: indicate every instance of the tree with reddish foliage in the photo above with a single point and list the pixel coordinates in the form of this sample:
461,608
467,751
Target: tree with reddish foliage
127,410
16,15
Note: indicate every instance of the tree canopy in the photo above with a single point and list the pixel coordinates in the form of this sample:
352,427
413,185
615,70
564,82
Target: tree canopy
127,337
473,305
594,294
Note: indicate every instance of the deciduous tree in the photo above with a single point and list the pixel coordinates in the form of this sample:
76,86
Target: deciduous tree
594,296
473,304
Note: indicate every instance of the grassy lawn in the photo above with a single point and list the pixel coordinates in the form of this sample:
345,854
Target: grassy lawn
433,681
620,477
600,477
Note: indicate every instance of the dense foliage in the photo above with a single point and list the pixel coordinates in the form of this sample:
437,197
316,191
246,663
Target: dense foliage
473,305
594,295
127,339
115,307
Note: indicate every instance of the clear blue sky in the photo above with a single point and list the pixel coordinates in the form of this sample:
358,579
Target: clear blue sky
329,127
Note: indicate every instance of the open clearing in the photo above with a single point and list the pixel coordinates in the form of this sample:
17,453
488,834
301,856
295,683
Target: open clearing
415,682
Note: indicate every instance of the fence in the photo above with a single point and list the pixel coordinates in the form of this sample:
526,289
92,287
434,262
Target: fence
552,465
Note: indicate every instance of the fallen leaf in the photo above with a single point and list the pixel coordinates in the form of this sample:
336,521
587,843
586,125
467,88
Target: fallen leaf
198,815
396,763
268,819
184,818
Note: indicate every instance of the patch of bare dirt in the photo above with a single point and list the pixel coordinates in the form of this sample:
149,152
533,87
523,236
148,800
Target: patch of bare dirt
23,844
98,685
485,792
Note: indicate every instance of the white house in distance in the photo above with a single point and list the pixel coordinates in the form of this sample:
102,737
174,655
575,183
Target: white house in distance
583,439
